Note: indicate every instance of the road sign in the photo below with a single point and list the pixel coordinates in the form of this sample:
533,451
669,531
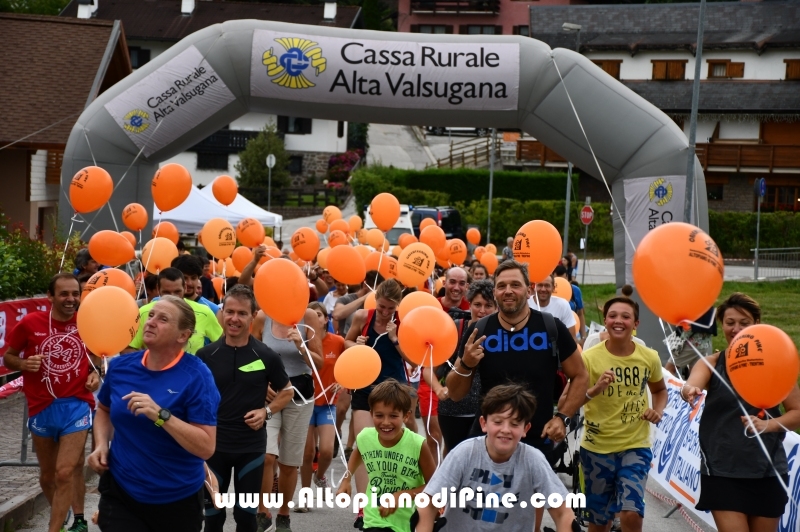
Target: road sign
270,160
587,214
761,187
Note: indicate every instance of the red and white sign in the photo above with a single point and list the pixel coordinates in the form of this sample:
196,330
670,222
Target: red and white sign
587,214
10,314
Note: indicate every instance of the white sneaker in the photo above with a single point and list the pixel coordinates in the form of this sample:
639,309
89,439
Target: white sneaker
320,482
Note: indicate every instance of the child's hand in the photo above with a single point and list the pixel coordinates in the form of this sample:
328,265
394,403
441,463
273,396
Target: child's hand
344,487
386,512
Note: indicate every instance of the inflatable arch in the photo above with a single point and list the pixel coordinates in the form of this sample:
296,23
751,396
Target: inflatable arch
220,73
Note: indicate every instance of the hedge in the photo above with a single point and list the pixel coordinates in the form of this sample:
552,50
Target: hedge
735,232
462,184
366,184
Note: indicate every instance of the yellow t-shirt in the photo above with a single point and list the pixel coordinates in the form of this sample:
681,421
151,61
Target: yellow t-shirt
613,419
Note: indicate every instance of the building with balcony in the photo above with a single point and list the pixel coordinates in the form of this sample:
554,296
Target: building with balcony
153,26
749,111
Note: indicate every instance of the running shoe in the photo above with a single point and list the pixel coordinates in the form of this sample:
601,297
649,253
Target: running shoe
320,482
282,523
79,526
265,523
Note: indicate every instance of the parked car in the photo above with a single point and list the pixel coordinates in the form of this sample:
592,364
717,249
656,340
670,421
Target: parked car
440,131
448,218
403,224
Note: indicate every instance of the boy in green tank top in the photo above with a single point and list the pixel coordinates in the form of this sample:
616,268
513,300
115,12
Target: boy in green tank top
397,461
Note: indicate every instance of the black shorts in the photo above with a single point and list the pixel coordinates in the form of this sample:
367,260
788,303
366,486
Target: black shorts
762,497
360,401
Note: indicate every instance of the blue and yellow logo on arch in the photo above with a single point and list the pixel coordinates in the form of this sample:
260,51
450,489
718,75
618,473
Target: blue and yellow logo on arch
660,191
136,121
287,70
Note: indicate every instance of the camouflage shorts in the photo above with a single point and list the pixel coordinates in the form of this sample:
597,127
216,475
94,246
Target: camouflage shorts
614,482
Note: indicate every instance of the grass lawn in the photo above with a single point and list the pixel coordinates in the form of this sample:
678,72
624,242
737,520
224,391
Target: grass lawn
780,304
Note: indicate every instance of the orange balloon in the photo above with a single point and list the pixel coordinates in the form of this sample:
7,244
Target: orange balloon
346,266
428,336
478,252
171,185
110,248
389,268
271,252
406,239
361,235
385,247
562,288
538,244
108,320
134,216
577,322
337,238
369,302
382,263
269,242
322,226
438,285
219,284
241,257
109,277
294,256
458,251
90,189
384,211
331,213
415,264
762,364
355,223
490,261
375,238
396,251
426,222
339,225
281,289
218,238
678,272
301,263
225,189
167,230
129,237
305,243
358,367
491,248
157,254
415,300
434,237
473,236
250,232
322,258
230,268
364,251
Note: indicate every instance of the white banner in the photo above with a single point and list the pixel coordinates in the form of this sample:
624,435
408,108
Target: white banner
470,76
650,202
676,456
170,101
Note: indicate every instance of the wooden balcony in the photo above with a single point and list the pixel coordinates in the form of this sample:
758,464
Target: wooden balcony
533,150
738,156
456,7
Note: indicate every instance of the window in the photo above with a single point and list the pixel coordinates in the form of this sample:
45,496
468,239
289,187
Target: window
610,66
723,68
294,126
55,159
480,30
714,192
673,69
139,56
522,30
781,199
792,68
296,164
340,129
431,28
212,161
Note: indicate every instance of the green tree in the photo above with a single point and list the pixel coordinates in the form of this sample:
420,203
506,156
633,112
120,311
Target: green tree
252,168
33,7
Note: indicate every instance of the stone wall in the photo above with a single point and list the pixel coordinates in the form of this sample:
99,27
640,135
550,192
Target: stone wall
737,192
315,165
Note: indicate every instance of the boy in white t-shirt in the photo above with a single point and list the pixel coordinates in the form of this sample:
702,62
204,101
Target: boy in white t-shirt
497,464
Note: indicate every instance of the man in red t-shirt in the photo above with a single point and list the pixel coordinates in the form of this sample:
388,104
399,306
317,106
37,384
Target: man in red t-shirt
58,385
455,289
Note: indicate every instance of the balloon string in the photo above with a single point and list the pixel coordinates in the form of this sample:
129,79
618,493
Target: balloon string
380,259
430,413
536,298
113,218
94,161
66,244
704,325
145,265
93,366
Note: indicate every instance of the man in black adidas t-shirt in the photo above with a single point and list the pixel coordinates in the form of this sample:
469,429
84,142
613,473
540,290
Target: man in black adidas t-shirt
515,347
243,368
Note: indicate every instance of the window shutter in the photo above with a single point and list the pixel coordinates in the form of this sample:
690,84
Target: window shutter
340,129
498,30
448,28
305,126
415,28
463,29
283,124
515,30
735,70
792,68
676,70
659,70
612,67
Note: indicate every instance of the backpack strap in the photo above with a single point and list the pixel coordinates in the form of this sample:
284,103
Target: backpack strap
481,326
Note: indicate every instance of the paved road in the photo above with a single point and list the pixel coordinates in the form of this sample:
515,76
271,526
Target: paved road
398,146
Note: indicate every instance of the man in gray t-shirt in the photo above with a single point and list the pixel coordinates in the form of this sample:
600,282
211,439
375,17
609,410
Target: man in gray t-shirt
498,464
347,305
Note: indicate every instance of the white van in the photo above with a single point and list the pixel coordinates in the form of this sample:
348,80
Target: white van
403,225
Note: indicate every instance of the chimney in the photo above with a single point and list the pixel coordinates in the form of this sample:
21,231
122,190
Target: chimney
330,11
87,8
187,7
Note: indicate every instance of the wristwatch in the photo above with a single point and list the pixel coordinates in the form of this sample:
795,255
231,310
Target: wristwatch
563,417
163,417
269,412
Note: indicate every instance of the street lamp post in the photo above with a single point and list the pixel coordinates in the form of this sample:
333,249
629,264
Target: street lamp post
569,28
270,164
